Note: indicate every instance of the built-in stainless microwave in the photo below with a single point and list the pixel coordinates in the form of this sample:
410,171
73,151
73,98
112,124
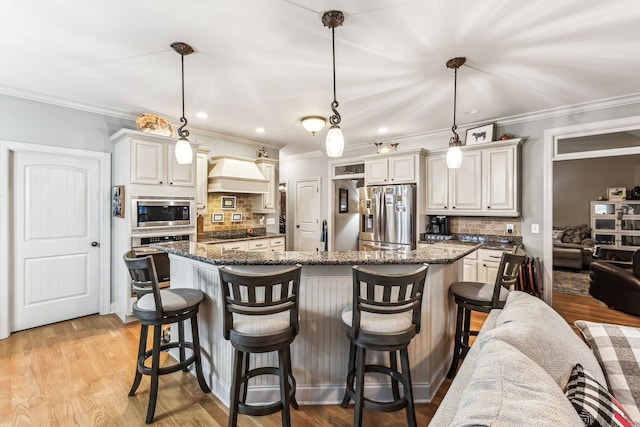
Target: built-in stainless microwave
154,212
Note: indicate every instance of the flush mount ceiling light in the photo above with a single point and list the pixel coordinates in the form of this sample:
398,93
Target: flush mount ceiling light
381,148
313,124
335,139
184,153
454,154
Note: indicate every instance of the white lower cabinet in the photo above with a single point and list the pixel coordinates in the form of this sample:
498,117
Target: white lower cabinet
277,244
470,267
482,266
241,245
262,245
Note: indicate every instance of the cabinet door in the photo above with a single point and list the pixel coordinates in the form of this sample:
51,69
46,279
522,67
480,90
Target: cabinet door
466,183
277,244
148,162
376,171
437,182
262,245
499,169
469,270
202,169
402,169
180,175
268,199
240,245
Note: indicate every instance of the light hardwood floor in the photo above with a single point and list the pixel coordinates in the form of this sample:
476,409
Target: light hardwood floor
78,373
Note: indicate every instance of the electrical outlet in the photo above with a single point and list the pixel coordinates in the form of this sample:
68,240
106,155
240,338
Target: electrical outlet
509,228
535,228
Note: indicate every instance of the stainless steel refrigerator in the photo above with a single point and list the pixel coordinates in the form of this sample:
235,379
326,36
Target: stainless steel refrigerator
387,216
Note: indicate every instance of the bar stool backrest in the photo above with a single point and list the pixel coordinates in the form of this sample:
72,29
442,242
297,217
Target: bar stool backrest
144,279
259,295
381,293
507,275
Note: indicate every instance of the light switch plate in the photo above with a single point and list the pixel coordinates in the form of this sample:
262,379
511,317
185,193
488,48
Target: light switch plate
535,228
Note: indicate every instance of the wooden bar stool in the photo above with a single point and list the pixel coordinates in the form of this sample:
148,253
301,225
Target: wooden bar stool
384,316
482,297
157,307
260,316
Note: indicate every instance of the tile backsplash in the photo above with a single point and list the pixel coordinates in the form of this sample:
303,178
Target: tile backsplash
244,206
485,225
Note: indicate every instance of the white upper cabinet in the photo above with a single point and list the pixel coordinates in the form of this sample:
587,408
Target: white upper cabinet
391,170
437,182
466,184
486,184
202,170
266,202
154,163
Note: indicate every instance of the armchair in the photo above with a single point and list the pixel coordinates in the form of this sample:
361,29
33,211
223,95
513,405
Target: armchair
616,286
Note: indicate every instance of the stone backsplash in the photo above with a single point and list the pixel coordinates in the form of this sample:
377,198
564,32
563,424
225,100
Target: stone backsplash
244,206
487,226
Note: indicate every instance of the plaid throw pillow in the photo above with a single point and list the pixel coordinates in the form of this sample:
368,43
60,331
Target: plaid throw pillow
595,405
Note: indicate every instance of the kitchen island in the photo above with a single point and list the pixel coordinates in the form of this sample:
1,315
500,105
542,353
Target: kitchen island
320,351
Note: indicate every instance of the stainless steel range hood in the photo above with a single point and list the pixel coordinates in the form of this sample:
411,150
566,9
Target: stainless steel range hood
232,174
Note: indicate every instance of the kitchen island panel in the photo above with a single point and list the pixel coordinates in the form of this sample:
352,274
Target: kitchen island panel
320,351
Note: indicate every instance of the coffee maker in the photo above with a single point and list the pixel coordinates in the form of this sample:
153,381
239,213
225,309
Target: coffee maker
440,225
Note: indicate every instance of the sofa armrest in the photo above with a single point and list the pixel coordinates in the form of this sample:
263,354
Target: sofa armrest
614,276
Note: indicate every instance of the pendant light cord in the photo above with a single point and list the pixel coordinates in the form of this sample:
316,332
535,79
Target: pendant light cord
335,119
455,139
184,133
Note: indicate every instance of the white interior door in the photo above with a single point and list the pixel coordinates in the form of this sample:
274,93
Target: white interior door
56,223
307,215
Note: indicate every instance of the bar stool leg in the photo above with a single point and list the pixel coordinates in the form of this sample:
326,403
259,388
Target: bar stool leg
408,387
393,363
359,386
294,402
457,348
142,348
466,331
352,363
181,348
244,386
284,387
198,355
155,367
238,357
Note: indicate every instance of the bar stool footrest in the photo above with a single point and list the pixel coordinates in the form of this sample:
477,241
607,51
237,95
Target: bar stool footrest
171,368
269,408
376,405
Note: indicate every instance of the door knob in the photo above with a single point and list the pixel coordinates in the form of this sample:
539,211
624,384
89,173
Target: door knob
95,244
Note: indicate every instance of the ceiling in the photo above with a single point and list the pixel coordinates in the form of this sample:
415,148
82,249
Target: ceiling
267,63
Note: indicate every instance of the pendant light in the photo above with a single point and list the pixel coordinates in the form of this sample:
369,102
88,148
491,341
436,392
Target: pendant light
335,139
184,153
454,154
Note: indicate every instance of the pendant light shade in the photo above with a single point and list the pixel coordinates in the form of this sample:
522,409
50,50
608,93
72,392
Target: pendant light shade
454,154
183,150
454,157
335,139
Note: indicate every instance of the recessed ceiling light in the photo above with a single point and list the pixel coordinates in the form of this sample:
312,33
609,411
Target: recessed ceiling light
382,130
471,111
261,130
202,115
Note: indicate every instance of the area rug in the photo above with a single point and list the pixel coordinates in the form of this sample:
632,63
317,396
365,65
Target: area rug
571,282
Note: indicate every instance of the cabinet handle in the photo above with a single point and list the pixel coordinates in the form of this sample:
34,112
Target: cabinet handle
453,207
160,182
171,183
488,207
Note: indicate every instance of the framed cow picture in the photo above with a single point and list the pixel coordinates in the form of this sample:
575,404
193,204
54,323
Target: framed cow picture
480,135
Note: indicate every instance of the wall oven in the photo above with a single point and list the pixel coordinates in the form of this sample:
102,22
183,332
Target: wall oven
149,213
140,246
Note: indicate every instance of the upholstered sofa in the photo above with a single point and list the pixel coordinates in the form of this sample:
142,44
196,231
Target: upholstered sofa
522,370
573,247
616,286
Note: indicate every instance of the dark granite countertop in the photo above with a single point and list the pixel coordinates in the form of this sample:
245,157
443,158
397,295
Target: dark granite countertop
210,240
502,243
438,253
